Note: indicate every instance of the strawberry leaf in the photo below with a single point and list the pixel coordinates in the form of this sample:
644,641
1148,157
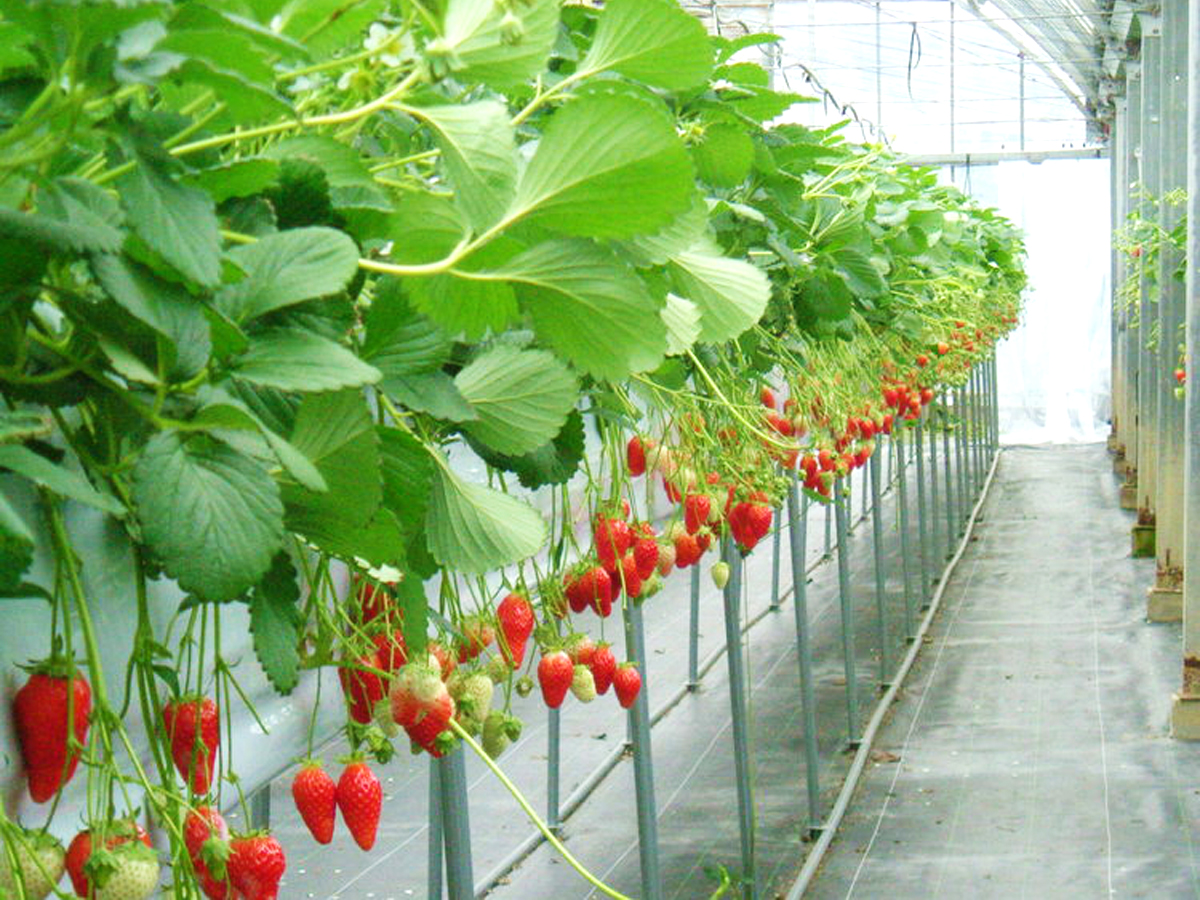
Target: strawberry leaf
478,42
652,41
293,360
16,548
731,294
276,624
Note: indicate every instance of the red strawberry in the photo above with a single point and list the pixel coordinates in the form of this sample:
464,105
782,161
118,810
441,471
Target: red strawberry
635,454
80,850
478,633
315,795
749,523
591,587
612,538
631,576
943,348
363,688
40,714
375,600
256,863
687,550
604,665
445,658
825,460
674,495
926,395
767,396
627,682
421,704
391,650
555,673
202,825
703,541
922,360
696,510
645,555
360,798
193,726
515,615
581,649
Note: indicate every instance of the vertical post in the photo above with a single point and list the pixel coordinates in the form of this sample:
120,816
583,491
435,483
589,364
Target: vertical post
456,826
995,407
951,531
737,708
1133,332
878,70
433,877
776,541
952,73
847,606
828,533
905,539
923,513
694,632
798,532
260,807
935,542
960,457
553,746
1148,431
643,763
885,666
1021,99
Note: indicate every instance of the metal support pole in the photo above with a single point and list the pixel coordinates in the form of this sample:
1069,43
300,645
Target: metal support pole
923,513
905,541
260,807
960,465
1021,99
775,553
643,763
828,532
798,532
885,665
737,708
843,565
694,632
554,745
1148,432
935,543
950,505
433,878
456,826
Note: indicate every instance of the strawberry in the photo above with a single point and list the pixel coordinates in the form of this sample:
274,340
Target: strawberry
363,689
40,863
478,633
591,587
40,710
445,659
375,600
126,871
687,550
360,798
201,824
581,649
555,674
696,510
922,360
256,864
472,695
767,396
314,794
635,454
749,523
583,684
204,831
604,665
943,348
674,495
627,683
630,575
720,574
498,730
703,541
515,615
421,704
612,538
645,556
79,851
193,726
390,650
666,558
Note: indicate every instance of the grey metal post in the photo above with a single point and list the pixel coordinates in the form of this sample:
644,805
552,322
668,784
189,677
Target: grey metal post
885,665
828,532
433,877
905,539
798,532
737,708
960,465
935,547
1152,182
1133,334
643,763
923,512
976,429
777,539
553,746
847,607
694,632
260,807
456,826
950,527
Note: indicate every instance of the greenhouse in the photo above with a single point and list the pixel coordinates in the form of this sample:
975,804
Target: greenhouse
540,449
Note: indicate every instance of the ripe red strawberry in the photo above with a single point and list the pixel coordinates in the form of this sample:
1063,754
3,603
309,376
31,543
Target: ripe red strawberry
687,550
703,541
604,665
1181,376
555,673
40,715
200,826
926,395
612,538
421,704
391,650
79,851
943,348
749,523
363,689
360,798
767,396
375,600
256,864
515,615
645,555
635,454
478,633
315,795
922,360
696,510
193,726
627,682
581,649
591,587
630,575
674,495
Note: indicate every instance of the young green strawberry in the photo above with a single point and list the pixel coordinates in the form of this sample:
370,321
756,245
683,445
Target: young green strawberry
472,693
256,864
498,730
315,793
127,871
627,682
193,726
360,798
40,710
515,615
604,666
583,684
498,670
720,574
40,864
555,673
79,851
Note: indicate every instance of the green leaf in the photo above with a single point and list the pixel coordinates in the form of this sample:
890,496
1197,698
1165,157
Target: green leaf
552,463
44,473
476,529
608,165
407,475
16,547
76,215
652,41
425,228
177,221
301,361
724,157
680,234
195,16
860,274
522,397
223,51
236,178
731,294
350,180
481,45
327,25
211,515
682,318
17,426
399,340
277,624
727,47
465,305
479,151
430,392
286,268
590,307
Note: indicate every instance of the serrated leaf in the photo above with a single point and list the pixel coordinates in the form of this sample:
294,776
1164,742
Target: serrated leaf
860,274
608,165
286,268
16,548
350,180
724,157
466,305
211,515
682,233
195,16
430,392
682,318
479,151
590,307
17,426
236,178
327,25
521,397
407,473
276,624
731,294
76,215
225,51
555,462
61,481
475,529
424,228
652,41
399,340
301,361
177,221
476,40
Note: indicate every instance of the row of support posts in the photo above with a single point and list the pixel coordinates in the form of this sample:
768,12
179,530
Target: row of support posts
936,484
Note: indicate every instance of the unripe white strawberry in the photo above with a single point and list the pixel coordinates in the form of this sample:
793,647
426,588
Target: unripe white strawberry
583,684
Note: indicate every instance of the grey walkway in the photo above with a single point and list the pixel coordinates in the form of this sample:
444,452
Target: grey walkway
1029,755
